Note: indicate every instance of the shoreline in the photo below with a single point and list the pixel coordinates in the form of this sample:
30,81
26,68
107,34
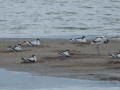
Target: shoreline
84,63
88,37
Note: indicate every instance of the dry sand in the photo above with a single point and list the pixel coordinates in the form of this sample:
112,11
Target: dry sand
84,62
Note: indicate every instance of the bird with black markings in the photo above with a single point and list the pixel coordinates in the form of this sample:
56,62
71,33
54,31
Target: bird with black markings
63,54
117,55
15,48
98,41
33,58
33,43
79,40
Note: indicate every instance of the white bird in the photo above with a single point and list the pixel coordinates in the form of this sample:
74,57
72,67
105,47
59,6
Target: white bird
15,48
73,40
79,40
30,59
99,40
64,54
117,55
33,43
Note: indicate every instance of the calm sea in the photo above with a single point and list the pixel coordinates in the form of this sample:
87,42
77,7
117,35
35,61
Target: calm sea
59,18
24,81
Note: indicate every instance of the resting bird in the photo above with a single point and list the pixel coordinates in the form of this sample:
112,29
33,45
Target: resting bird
15,48
33,43
117,55
64,54
79,40
99,40
30,59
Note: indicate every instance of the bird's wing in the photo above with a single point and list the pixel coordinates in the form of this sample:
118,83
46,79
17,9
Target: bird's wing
66,53
98,39
34,42
113,55
31,59
28,43
25,60
13,48
62,54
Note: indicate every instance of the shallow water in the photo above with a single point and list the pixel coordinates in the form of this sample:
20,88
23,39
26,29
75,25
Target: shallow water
10,80
57,18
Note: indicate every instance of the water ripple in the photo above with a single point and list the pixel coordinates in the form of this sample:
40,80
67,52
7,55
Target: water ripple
53,16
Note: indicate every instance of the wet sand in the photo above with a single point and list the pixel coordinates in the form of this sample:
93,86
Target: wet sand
84,62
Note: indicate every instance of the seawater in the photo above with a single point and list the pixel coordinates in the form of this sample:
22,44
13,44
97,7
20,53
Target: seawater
59,18
10,80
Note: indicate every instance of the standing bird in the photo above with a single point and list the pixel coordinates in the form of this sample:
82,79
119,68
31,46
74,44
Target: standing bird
33,43
99,40
15,48
65,53
30,59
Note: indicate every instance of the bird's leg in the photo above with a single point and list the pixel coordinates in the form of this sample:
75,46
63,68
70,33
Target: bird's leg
98,49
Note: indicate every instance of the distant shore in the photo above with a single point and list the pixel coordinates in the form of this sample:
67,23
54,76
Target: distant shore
84,62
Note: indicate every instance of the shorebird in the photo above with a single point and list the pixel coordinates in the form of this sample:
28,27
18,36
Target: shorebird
99,40
15,48
79,40
117,55
64,54
33,43
30,59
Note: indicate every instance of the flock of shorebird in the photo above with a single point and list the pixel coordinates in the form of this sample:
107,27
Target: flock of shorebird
66,53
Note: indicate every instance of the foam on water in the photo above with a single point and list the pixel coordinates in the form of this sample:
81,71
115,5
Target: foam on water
10,80
49,18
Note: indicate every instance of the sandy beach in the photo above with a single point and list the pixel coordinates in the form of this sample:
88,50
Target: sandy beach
84,62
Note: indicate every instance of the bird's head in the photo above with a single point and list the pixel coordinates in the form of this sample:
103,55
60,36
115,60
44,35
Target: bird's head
33,55
106,41
19,44
83,37
38,39
67,50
